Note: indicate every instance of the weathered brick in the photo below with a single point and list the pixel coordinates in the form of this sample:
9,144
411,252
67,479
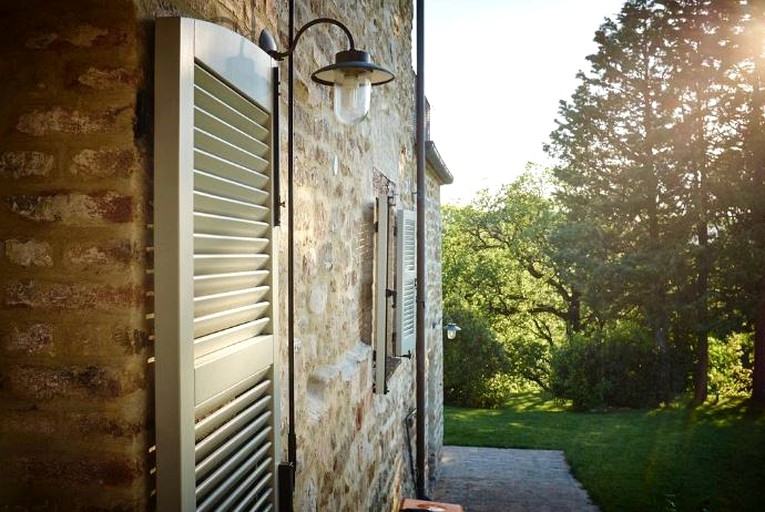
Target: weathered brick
111,255
28,253
68,120
73,208
105,162
132,340
32,294
40,383
40,40
31,339
81,36
50,423
84,35
99,468
24,164
97,423
104,78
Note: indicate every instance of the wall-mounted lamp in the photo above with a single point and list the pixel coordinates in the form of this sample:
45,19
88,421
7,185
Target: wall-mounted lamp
451,330
352,75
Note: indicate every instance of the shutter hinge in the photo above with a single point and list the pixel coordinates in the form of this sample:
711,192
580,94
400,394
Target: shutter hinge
144,111
391,293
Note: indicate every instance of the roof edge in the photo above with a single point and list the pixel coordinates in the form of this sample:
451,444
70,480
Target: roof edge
434,160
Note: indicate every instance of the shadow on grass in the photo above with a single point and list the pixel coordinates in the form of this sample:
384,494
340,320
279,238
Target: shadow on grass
536,402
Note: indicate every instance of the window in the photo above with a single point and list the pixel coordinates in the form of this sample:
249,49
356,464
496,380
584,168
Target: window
403,298
214,260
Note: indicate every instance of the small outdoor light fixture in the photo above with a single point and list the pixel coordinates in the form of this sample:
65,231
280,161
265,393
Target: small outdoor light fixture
352,75
451,330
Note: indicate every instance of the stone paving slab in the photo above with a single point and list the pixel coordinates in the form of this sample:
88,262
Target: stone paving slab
509,480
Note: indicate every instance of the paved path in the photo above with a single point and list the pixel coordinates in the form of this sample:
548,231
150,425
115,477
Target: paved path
508,480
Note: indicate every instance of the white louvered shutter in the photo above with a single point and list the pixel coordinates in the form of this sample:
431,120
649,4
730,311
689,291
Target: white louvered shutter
214,283
406,282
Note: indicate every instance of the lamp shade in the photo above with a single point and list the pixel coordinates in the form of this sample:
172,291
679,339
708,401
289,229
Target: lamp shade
451,330
352,75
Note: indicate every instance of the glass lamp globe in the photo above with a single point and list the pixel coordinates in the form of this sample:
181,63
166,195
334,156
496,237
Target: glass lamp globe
352,76
353,96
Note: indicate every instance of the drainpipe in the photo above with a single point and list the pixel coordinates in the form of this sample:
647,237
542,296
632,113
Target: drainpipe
420,332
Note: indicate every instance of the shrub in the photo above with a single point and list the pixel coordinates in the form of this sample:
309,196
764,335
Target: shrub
616,367
730,373
475,365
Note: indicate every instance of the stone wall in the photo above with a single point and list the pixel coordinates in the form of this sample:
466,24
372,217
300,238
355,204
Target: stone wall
434,323
75,203
352,452
75,387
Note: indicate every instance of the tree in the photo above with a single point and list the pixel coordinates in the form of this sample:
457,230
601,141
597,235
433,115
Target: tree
498,262
706,120
743,286
615,174
475,363
661,173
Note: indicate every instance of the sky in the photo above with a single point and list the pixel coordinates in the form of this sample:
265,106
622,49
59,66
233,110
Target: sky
495,71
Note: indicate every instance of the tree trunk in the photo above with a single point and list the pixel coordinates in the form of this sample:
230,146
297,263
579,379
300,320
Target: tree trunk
701,372
758,373
575,312
703,263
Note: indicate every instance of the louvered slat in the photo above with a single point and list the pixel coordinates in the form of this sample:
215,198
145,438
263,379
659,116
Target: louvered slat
220,302
228,226
228,189
224,400
409,304
219,167
252,487
241,430
232,468
217,283
207,344
233,317
228,99
210,244
226,207
249,490
261,490
209,123
220,148
218,418
206,264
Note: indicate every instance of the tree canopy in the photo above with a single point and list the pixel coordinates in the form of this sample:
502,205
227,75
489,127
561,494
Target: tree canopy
655,211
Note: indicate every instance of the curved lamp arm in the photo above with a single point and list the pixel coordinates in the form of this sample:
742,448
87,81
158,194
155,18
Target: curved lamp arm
277,55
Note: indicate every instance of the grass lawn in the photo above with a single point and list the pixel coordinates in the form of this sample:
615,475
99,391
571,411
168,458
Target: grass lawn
708,459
